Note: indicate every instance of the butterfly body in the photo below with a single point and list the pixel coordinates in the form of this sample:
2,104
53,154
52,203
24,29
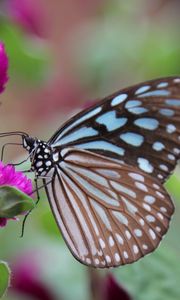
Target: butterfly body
43,158
107,166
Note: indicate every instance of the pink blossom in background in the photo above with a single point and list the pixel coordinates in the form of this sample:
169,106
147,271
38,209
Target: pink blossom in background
61,94
3,67
106,287
27,279
9,176
89,104
28,14
112,290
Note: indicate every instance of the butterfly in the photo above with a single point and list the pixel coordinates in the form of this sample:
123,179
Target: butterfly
104,171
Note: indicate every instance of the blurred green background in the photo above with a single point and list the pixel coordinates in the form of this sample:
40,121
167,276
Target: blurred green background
63,54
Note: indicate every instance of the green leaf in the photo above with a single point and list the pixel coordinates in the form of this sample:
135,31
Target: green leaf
156,276
4,277
27,61
13,202
173,185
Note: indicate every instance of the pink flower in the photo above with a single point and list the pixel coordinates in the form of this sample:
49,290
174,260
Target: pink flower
112,290
27,279
9,176
107,287
29,14
3,67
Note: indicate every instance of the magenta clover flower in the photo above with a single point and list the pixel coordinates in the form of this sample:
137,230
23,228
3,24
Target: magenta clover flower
3,67
10,177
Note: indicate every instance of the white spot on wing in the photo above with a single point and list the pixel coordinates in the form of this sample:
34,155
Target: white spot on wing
167,112
121,218
152,234
137,110
100,211
142,89
173,102
123,189
76,135
177,80
87,116
158,146
92,176
125,254
120,239
145,165
147,123
119,99
146,207
132,138
138,232
108,173
102,243
110,120
111,241
135,249
162,85
102,145
141,186
160,215
132,103
130,207
170,128
136,176
150,218
108,259
128,234
91,189
163,167
117,257
157,93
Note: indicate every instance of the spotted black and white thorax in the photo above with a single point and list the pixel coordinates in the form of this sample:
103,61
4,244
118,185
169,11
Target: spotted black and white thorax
42,156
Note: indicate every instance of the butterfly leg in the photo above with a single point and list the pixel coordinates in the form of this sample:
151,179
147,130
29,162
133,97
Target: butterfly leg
38,198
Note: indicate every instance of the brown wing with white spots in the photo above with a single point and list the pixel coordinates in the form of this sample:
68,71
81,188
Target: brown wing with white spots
139,125
110,214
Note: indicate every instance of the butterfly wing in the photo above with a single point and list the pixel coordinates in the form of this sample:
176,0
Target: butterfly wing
139,125
109,213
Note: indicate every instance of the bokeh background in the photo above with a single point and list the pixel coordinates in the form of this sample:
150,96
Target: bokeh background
62,55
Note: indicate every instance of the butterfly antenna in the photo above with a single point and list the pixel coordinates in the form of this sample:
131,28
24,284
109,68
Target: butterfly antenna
10,133
11,144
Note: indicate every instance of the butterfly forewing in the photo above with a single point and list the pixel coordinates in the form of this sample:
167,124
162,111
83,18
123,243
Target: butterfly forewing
139,125
109,213
106,191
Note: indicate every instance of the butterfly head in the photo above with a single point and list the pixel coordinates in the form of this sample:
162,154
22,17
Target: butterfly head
29,143
40,155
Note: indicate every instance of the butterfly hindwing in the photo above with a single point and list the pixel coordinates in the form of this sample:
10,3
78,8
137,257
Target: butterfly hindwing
109,213
139,125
